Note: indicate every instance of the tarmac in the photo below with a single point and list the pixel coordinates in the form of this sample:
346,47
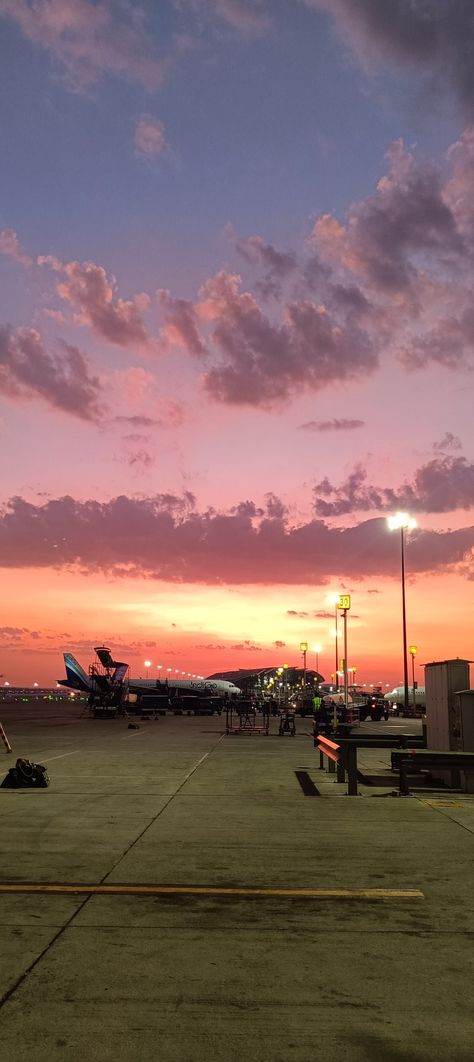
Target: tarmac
266,942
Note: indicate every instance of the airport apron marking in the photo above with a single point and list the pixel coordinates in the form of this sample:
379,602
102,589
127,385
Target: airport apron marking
198,890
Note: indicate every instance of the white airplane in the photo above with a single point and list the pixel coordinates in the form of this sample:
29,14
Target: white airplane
397,696
109,680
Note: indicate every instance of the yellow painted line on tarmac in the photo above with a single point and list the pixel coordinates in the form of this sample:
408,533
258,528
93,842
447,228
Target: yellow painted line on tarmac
443,803
198,890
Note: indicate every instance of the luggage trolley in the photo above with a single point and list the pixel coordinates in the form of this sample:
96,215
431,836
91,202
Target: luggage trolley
241,718
287,723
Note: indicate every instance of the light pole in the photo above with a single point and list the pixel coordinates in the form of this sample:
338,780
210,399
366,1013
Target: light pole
317,650
285,674
147,664
333,599
353,674
344,603
403,522
304,650
413,649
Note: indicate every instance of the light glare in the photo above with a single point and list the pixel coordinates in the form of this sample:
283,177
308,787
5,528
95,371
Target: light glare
401,520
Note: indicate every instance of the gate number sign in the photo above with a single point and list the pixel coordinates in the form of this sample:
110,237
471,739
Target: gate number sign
344,601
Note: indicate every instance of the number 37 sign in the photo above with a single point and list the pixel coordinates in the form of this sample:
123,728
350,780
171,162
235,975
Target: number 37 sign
344,601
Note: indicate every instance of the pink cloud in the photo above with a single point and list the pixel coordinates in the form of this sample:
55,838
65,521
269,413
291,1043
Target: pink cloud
89,290
149,137
245,16
135,383
10,246
90,38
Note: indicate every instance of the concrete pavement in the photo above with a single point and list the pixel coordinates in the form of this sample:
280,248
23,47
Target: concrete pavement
198,977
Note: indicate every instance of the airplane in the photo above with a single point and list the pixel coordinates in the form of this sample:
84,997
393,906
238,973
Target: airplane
397,696
107,682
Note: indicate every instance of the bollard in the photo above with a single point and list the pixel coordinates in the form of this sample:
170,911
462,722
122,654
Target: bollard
5,739
403,780
351,767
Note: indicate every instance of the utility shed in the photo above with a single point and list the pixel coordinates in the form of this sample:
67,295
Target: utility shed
443,680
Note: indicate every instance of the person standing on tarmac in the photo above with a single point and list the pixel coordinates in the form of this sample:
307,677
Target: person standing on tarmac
316,704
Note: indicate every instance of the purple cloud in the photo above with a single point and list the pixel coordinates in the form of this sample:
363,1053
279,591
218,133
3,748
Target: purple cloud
331,425
432,38
62,380
166,538
442,485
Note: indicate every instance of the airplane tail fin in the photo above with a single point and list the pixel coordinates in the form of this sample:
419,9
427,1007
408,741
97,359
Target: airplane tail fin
120,672
77,679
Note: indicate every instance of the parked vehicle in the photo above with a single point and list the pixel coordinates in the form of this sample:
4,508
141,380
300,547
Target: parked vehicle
373,707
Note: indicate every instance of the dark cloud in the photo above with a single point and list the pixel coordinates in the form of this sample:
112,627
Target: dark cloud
279,645
262,362
62,380
394,278
182,324
298,615
405,218
141,459
324,614
442,485
246,508
13,632
448,442
335,424
433,37
246,646
139,421
166,538
277,265
276,509
210,645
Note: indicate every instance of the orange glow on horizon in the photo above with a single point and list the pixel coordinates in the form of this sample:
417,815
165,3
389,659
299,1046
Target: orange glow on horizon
257,626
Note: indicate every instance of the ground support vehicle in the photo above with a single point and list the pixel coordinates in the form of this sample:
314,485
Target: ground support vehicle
373,707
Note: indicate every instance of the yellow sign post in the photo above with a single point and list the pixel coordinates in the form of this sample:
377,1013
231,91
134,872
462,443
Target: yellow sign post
344,603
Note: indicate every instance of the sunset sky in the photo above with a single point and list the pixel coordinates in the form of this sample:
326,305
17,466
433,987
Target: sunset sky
236,331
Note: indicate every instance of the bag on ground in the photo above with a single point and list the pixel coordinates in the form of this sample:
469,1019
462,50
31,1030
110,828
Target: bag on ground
26,775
